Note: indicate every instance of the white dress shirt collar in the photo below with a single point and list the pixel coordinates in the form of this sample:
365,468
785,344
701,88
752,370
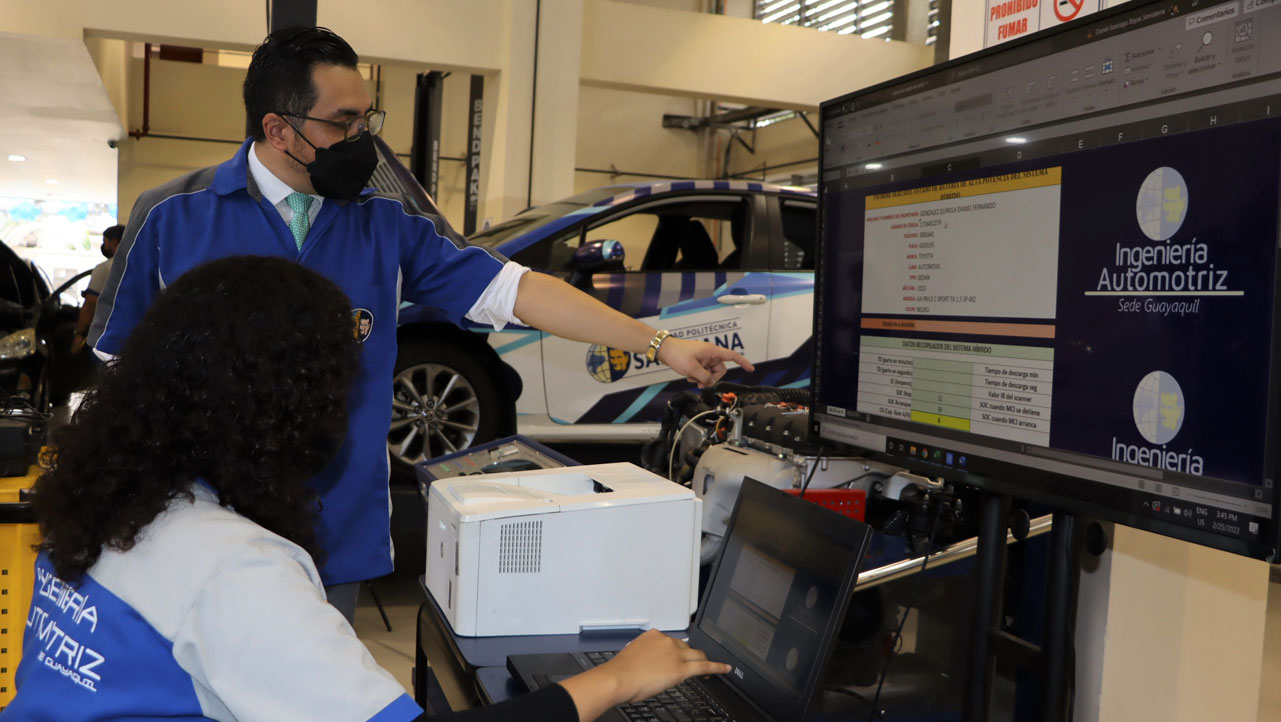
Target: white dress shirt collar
275,190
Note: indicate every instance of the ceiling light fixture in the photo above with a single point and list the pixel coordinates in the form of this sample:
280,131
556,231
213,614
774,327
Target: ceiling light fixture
17,158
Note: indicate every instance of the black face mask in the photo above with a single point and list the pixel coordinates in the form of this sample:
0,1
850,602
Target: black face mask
343,169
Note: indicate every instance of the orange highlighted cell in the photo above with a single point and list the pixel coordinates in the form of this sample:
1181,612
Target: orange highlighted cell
963,328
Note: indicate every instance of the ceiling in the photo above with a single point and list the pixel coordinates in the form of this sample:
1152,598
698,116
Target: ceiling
57,115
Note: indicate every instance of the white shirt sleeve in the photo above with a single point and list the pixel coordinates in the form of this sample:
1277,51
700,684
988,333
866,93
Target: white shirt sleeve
98,278
496,305
261,643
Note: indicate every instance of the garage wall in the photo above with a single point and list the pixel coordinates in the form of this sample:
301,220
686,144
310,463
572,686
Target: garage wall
204,101
782,150
624,130
732,59
621,92
616,129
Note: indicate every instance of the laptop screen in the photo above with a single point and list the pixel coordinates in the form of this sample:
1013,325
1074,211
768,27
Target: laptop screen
778,596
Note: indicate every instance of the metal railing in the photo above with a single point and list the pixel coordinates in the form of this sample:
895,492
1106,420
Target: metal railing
953,553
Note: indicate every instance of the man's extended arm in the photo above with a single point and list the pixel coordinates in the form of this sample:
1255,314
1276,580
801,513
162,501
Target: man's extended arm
438,264
551,305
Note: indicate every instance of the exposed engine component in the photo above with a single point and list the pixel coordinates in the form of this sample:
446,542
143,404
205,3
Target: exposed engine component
721,470
711,441
733,432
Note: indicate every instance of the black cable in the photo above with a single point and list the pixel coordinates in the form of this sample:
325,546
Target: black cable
898,633
18,407
533,105
864,475
808,477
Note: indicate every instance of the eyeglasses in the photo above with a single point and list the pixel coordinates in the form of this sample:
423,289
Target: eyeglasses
371,121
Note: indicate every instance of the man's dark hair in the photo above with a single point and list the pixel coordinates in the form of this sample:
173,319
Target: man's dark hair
279,77
238,376
114,233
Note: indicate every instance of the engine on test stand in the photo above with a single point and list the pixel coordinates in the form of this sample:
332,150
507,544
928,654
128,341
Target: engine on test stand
711,440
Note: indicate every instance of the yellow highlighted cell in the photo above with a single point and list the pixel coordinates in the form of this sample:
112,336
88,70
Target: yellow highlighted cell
950,422
966,189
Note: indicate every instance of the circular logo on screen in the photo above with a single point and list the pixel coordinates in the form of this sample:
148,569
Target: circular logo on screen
606,364
1158,407
1162,203
793,658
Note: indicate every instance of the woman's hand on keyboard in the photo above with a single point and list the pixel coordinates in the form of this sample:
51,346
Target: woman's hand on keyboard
652,663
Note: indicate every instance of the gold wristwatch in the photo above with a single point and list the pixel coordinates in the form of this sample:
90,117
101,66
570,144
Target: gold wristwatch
651,353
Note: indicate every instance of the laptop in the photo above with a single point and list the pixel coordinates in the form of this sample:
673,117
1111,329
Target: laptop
774,603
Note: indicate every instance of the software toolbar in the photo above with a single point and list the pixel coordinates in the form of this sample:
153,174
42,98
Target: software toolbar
1178,50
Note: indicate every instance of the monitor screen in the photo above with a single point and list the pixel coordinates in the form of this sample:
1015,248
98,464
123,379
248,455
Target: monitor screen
1050,269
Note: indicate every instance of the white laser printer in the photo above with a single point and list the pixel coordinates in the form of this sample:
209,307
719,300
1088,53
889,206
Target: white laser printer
560,551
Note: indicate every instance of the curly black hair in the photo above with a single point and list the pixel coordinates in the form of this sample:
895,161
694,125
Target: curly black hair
238,375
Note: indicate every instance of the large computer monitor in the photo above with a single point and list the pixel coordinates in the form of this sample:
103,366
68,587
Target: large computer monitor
1051,269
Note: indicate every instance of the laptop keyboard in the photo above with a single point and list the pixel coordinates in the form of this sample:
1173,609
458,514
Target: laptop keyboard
686,702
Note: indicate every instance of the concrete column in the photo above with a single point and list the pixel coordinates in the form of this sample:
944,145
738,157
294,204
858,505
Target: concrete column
560,31
967,27
914,21
516,174
111,57
1169,632
510,182
509,97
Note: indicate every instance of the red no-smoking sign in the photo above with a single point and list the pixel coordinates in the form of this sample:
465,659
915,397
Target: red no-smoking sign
1066,10
1009,19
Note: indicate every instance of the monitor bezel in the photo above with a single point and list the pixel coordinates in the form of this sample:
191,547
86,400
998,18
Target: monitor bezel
853,534
1033,484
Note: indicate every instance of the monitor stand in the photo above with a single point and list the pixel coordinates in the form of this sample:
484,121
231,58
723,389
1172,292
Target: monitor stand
1056,657
1168,621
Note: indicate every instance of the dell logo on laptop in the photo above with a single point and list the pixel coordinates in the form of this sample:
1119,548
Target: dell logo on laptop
738,673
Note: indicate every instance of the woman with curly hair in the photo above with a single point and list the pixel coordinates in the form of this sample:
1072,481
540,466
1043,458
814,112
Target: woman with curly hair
177,577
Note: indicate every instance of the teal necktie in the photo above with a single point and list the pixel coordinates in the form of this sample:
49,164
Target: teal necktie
299,203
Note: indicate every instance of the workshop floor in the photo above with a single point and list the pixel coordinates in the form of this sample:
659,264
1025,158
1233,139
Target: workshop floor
393,650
